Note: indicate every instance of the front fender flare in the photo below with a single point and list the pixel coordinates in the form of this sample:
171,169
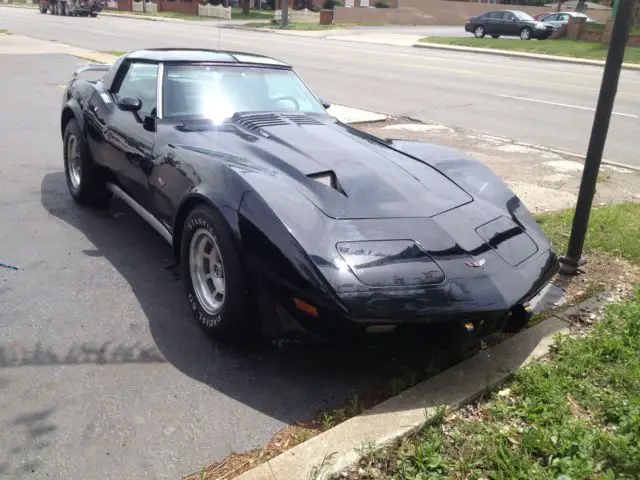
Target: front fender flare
71,110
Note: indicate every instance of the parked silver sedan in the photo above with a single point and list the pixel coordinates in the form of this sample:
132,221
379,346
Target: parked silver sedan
562,18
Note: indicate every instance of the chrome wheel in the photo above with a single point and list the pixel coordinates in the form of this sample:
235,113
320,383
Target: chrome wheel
479,31
525,34
73,162
207,271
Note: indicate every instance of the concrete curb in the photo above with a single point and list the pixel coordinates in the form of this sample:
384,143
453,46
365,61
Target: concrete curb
530,56
336,449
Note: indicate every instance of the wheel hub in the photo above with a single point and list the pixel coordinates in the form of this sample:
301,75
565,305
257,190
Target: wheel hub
207,271
73,162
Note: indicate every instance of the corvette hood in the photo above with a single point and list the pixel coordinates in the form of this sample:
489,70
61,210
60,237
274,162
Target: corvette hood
340,170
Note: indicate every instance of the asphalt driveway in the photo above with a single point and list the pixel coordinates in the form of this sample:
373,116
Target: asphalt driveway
103,373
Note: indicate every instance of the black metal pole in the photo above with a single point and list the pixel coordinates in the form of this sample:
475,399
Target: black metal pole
608,89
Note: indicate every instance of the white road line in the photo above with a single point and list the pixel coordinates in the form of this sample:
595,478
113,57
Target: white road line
557,104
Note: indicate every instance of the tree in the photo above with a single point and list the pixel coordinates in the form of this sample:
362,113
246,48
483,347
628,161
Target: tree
245,7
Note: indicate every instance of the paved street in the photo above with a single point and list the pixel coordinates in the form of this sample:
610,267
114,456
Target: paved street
538,102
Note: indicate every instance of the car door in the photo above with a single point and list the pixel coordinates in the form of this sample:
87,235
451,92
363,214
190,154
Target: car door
128,144
510,25
492,25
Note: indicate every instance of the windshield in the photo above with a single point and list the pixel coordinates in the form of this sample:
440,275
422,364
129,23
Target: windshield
218,92
523,16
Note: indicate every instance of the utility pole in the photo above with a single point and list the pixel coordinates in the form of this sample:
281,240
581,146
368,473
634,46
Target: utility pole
284,21
602,117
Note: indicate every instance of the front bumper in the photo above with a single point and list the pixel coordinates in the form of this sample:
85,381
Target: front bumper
542,34
438,311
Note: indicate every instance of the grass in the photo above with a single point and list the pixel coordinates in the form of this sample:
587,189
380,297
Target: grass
115,53
560,47
4,31
613,230
576,414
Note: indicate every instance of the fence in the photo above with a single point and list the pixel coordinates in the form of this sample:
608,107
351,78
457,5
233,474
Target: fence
214,11
149,7
299,16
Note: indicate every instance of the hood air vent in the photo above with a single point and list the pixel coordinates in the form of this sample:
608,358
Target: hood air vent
301,119
256,121
328,178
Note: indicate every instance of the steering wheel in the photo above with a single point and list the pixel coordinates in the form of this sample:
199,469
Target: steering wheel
296,104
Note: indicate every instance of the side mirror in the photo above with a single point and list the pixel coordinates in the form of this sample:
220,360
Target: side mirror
129,104
324,103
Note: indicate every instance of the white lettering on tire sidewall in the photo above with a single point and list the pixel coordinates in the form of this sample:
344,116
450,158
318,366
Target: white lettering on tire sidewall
202,317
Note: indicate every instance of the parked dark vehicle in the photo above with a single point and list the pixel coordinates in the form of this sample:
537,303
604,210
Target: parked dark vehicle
510,23
72,8
271,205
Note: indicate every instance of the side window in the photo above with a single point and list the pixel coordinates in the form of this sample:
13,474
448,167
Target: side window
141,81
508,16
564,17
550,18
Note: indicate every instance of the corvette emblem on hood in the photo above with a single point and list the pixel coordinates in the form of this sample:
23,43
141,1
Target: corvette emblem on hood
476,263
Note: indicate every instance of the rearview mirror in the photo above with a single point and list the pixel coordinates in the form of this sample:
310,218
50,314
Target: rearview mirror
129,104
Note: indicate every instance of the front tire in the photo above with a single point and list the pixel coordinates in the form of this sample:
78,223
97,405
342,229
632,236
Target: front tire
479,31
84,179
525,33
495,36
214,277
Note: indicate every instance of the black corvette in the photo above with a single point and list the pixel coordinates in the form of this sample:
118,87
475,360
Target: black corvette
285,220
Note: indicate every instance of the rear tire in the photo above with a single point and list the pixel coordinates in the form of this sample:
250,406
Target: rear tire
84,179
215,278
93,15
